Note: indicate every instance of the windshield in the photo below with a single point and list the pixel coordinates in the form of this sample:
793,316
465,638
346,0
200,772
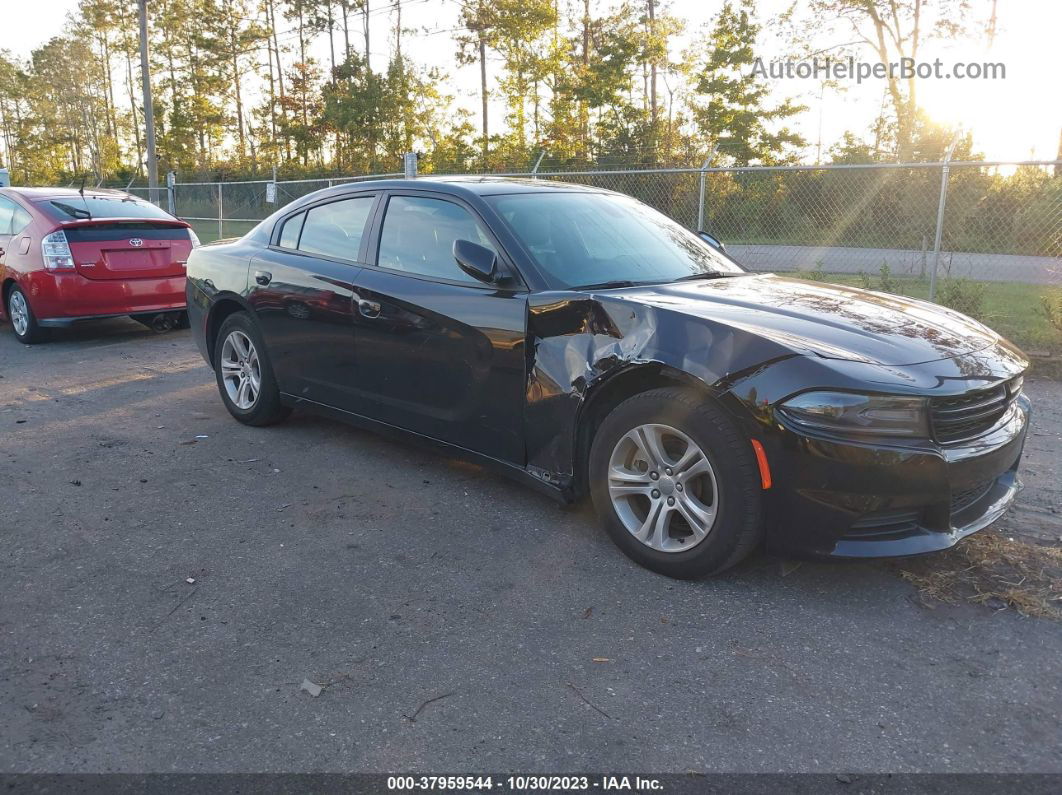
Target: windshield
587,239
76,208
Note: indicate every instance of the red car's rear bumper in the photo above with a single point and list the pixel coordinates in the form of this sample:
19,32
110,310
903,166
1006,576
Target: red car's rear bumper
60,298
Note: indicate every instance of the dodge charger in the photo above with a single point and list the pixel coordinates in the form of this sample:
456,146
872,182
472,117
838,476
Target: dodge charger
586,344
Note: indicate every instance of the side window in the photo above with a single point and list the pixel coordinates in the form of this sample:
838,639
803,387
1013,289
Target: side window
7,211
418,237
20,220
289,233
336,229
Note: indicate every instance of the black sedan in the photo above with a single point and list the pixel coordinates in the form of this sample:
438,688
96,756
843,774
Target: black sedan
586,344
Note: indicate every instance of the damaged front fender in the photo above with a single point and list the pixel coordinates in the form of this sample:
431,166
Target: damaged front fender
579,341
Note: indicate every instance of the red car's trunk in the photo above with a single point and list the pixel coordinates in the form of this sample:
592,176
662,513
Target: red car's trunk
129,249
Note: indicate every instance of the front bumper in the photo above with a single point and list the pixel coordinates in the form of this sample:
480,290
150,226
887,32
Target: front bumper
850,500
198,314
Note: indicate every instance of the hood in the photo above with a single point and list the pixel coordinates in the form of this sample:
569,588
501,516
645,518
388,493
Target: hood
832,321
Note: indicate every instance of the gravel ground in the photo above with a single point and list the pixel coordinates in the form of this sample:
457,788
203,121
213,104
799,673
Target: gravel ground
392,576
1038,513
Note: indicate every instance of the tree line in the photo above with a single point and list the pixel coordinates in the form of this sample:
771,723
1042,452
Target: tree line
240,87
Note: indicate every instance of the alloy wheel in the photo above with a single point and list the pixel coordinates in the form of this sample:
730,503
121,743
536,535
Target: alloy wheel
18,312
241,370
663,488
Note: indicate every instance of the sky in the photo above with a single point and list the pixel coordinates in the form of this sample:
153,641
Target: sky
1019,117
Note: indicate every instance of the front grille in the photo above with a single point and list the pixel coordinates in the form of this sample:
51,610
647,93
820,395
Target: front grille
968,415
967,497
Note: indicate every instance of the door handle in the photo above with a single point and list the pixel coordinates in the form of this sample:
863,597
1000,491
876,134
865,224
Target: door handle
369,309
263,277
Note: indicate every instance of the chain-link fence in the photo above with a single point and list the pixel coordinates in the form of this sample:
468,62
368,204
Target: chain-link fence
230,209
996,222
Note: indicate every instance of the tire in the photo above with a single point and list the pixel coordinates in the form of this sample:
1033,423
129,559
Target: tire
724,497
23,321
235,364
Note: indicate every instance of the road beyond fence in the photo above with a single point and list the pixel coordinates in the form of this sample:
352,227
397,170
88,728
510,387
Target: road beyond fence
954,264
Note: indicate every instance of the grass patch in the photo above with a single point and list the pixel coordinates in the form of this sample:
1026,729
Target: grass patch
208,231
1013,309
991,569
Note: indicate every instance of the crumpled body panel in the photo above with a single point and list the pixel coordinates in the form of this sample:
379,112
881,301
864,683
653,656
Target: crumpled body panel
579,340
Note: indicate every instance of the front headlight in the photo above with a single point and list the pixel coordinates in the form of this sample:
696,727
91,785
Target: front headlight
193,237
865,415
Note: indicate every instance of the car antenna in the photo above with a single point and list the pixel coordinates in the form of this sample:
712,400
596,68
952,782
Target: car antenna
81,192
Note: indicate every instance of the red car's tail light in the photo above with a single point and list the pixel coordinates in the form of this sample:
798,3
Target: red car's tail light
56,252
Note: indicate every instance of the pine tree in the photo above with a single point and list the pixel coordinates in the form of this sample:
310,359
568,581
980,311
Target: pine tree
731,104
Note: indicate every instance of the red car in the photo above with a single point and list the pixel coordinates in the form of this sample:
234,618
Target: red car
69,255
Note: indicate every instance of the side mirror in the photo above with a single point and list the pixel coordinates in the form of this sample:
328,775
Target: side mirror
711,240
477,261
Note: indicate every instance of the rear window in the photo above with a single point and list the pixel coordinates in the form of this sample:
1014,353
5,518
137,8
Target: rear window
336,229
74,208
145,230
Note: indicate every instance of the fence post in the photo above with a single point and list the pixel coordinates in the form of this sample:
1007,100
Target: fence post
221,213
171,192
700,202
940,217
534,171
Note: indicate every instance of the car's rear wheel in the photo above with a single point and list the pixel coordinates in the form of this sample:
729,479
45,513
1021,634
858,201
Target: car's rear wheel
244,375
675,484
23,321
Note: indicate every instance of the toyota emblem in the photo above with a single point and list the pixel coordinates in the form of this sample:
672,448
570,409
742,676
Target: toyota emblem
136,242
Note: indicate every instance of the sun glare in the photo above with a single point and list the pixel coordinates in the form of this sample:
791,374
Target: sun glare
1012,116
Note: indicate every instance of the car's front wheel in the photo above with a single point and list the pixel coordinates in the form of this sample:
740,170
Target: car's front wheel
675,484
244,375
23,321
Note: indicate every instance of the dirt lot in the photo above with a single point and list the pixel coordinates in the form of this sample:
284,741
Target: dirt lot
171,577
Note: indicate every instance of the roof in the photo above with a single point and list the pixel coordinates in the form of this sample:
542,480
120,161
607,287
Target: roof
58,193
464,185
486,186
